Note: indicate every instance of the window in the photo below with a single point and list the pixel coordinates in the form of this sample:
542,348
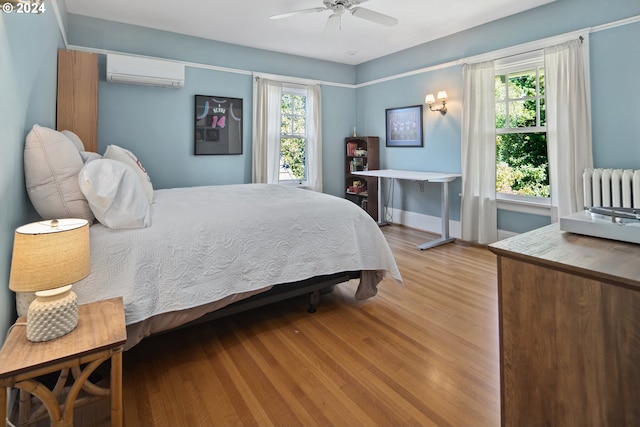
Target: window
522,165
293,136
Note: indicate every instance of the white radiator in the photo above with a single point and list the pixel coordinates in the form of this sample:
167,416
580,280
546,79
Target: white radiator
611,188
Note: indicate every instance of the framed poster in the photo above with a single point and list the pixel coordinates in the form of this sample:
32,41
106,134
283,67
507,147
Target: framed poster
404,126
218,125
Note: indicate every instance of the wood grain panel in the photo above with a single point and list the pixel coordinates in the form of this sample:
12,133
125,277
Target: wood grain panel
570,349
569,314
77,108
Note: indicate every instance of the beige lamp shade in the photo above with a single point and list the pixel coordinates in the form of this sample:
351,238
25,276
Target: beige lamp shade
429,99
442,95
50,254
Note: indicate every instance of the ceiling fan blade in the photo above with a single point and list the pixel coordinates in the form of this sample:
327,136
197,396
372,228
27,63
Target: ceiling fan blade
298,12
372,16
334,23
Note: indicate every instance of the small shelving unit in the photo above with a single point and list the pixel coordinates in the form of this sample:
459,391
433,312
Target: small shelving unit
362,153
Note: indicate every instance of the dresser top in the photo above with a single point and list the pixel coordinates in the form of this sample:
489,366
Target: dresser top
592,257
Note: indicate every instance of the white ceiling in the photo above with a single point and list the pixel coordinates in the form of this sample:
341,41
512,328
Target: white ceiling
247,23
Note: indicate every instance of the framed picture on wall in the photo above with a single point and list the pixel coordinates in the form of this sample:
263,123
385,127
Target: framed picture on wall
218,125
404,126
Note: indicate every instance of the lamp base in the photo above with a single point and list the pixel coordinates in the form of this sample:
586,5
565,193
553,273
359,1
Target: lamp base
52,314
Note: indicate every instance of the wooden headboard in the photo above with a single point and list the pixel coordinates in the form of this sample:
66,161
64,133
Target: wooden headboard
78,96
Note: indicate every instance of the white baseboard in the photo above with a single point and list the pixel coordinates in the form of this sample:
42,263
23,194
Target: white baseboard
432,224
423,222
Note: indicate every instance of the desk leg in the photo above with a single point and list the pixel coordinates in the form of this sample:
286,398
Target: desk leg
444,215
381,220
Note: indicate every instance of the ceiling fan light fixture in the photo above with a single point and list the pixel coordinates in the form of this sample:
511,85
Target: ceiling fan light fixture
294,13
373,16
334,23
338,8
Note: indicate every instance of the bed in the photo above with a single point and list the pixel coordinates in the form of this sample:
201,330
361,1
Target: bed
178,255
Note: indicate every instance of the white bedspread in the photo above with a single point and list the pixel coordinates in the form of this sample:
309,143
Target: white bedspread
206,243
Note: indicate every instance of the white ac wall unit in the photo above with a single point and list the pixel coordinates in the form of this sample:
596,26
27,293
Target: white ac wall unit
144,71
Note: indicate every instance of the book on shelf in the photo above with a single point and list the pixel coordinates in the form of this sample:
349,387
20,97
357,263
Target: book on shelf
357,187
357,165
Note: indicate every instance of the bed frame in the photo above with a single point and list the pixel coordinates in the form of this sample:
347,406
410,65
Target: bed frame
314,287
163,323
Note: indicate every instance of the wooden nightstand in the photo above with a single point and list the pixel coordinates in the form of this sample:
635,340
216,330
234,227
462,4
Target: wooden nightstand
100,334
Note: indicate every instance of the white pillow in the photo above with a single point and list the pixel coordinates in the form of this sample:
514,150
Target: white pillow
88,156
123,155
115,194
51,166
75,139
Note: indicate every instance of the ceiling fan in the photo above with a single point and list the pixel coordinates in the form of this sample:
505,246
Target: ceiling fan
339,7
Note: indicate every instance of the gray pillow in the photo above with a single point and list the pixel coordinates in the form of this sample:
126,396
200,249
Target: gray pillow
51,166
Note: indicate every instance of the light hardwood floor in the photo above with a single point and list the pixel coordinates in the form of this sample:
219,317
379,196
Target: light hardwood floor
422,355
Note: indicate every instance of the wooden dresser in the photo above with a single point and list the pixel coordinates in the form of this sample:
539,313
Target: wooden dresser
569,330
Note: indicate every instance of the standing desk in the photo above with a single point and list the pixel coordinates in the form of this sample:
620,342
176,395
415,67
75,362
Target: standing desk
441,177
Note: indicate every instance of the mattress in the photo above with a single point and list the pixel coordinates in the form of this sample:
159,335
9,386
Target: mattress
211,243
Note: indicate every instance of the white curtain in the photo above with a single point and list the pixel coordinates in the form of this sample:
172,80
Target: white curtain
314,138
479,211
568,123
267,95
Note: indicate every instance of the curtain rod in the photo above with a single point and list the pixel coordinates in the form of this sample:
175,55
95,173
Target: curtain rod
297,80
476,58
580,39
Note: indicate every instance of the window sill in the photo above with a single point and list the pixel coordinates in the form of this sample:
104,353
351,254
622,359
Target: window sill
524,204
294,183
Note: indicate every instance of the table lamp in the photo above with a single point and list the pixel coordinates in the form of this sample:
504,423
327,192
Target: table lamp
48,256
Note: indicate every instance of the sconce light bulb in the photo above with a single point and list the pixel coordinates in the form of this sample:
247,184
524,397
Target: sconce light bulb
429,99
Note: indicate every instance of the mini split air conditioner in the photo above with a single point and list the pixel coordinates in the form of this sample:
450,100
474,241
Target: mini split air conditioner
144,71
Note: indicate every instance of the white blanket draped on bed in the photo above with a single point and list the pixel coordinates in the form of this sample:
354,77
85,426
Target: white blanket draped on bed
206,243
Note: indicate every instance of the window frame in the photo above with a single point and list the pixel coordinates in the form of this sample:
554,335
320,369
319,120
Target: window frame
298,91
536,205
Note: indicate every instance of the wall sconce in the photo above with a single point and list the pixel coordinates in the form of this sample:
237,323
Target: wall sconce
442,96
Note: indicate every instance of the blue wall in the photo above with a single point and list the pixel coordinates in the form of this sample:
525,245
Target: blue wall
615,90
156,123
28,78
442,134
